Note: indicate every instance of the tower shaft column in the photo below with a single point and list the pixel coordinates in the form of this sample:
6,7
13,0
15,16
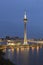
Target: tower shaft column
25,35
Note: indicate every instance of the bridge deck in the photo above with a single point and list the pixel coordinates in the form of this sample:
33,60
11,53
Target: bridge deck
20,46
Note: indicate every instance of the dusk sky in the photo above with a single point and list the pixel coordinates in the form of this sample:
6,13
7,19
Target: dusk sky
11,18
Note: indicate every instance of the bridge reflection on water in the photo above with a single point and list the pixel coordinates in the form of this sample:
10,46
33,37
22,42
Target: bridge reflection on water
23,56
22,48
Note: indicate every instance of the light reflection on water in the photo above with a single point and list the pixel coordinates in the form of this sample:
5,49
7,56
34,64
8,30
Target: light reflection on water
25,56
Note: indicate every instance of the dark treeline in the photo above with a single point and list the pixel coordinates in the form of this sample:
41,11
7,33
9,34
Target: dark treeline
4,61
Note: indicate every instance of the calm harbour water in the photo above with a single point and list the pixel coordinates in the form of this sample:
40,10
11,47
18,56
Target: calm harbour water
25,56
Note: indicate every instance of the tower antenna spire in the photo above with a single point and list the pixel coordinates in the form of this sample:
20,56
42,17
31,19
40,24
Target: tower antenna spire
25,15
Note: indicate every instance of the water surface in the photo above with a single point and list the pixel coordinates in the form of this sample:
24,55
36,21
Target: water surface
25,56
